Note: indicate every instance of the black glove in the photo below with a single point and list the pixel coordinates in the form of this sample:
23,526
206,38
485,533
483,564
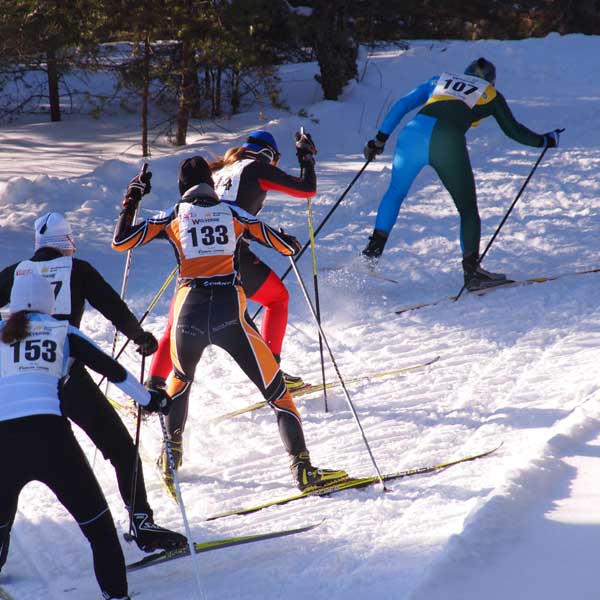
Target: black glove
159,401
156,382
146,343
291,240
139,186
552,138
375,146
305,147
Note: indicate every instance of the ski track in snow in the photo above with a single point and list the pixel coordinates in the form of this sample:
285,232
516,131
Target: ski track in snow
517,366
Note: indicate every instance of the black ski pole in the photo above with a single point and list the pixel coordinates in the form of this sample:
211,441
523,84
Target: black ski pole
311,234
313,251
342,383
489,244
129,536
128,260
152,304
322,224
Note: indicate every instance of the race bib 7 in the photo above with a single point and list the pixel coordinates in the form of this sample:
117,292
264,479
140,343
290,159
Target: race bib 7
58,272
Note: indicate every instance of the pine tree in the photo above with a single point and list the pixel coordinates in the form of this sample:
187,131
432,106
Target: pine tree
42,35
334,46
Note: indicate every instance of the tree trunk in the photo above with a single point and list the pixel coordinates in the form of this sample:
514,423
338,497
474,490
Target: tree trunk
196,93
217,92
186,94
145,96
53,95
207,83
235,91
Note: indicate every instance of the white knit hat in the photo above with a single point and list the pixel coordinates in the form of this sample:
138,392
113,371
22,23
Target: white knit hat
31,291
53,230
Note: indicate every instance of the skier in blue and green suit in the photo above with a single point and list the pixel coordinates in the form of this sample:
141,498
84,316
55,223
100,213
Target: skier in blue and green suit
451,104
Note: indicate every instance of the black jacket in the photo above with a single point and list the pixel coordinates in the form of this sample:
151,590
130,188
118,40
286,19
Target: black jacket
86,284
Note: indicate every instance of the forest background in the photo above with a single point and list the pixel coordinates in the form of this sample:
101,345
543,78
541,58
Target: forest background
185,61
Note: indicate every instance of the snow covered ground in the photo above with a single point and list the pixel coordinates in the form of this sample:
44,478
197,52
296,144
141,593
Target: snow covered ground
517,366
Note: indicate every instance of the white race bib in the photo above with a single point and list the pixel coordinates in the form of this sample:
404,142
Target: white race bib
58,272
42,352
464,87
227,180
206,230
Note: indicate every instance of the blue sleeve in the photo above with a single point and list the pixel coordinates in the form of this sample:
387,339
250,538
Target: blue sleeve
412,100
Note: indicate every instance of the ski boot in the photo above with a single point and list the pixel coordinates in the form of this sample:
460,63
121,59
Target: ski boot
309,478
292,382
477,278
165,467
150,537
374,248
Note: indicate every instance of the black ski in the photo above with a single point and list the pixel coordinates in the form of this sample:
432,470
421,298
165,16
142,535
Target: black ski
347,484
164,556
508,284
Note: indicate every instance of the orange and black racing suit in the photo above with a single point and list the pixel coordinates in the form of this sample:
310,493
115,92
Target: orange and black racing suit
210,304
245,183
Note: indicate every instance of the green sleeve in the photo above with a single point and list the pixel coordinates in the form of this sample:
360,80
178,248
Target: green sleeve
511,127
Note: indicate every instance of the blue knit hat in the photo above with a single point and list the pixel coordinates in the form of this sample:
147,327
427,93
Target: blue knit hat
262,144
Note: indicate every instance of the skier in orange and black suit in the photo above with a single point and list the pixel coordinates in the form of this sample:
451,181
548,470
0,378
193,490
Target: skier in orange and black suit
243,176
210,306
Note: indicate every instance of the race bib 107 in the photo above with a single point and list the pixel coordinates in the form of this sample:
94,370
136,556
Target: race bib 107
463,87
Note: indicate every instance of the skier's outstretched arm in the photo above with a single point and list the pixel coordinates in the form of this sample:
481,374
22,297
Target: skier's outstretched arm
101,295
271,178
266,235
511,127
404,105
129,235
86,351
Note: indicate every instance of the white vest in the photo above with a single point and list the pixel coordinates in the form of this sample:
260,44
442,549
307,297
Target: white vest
58,272
31,369
227,180
206,230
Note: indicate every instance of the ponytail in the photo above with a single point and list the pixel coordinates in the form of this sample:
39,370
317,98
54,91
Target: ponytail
232,155
16,328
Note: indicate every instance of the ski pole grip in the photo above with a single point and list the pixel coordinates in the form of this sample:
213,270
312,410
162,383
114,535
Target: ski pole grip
143,173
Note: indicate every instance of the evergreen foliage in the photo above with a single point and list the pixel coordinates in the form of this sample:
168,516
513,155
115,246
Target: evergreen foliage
200,59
